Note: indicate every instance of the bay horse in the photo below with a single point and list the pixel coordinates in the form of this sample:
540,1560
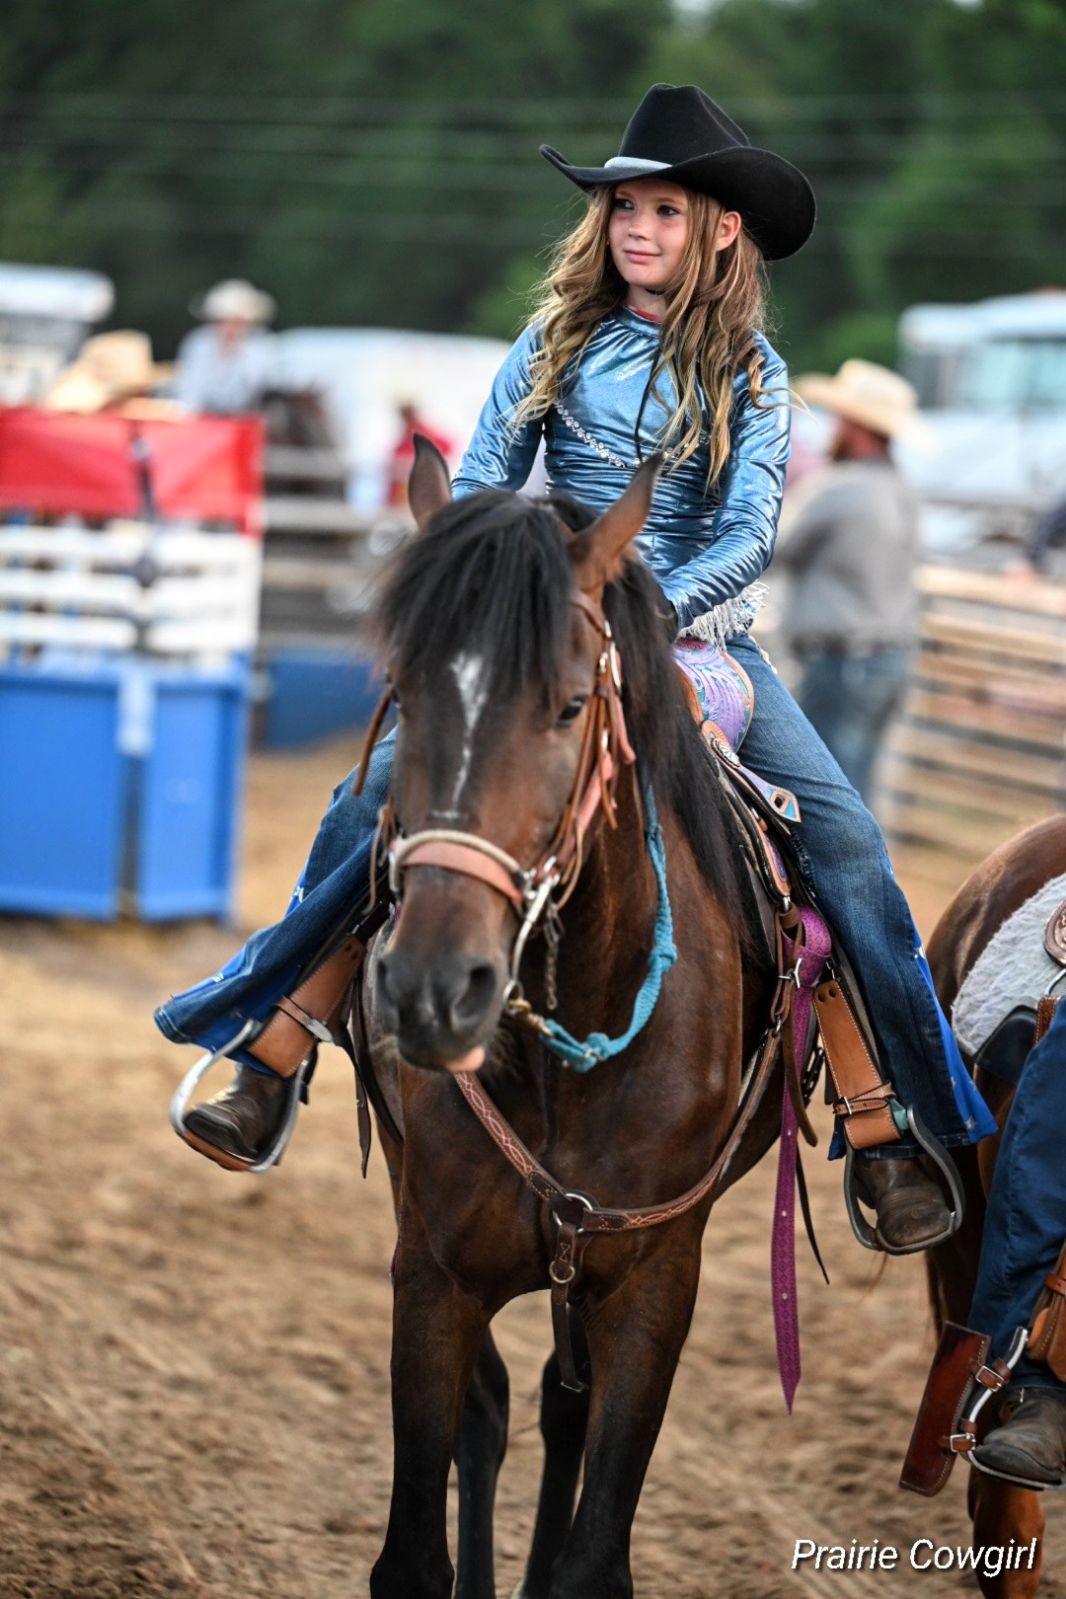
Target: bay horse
999,887
503,626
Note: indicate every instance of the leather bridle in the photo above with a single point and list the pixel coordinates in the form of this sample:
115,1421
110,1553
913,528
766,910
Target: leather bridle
605,747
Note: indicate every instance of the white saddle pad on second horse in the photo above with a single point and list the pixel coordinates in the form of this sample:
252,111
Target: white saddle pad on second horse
1015,969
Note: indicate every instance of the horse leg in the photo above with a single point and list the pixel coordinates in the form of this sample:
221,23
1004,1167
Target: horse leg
635,1337
479,1456
1001,1512
563,1421
437,1333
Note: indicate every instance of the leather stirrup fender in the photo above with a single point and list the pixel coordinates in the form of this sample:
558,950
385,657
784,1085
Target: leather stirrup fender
939,1434
308,1014
862,1094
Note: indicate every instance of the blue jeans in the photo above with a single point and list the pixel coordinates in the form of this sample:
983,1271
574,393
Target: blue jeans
839,848
850,699
1025,1226
328,893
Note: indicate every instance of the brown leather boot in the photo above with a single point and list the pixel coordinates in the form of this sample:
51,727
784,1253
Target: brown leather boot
237,1126
1029,1445
911,1210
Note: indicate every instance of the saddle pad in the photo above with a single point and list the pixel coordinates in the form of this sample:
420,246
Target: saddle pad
723,689
1014,970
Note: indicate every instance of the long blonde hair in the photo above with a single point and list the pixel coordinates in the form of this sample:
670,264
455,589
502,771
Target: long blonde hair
710,315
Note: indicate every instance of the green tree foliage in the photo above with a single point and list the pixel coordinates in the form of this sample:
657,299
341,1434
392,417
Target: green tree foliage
370,161
934,134
374,161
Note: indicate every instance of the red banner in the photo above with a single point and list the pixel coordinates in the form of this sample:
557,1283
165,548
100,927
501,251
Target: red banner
201,469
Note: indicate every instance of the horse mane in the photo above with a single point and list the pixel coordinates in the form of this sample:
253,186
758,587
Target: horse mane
490,573
494,570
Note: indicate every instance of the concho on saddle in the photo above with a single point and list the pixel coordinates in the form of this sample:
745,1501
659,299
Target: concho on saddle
996,1009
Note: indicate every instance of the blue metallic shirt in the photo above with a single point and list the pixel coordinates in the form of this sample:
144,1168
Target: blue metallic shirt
705,547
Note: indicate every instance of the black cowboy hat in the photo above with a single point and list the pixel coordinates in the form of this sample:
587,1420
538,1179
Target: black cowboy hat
682,136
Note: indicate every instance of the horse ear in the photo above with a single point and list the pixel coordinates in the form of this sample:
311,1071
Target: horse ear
429,487
604,543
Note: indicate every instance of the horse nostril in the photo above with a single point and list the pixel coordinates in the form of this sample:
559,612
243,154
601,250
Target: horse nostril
470,1004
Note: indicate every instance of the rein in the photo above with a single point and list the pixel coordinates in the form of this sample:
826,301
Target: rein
577,1216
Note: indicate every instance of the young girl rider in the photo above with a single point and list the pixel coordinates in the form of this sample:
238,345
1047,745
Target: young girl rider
648,338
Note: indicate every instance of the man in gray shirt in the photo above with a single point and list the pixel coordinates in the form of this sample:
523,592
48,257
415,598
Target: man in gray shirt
849,539
226,367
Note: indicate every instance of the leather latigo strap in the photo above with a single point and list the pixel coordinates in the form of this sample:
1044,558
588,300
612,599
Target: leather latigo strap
307,1014
1045,1011
862,1094
938,1434
1047,1336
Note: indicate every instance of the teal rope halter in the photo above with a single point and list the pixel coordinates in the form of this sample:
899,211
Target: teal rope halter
597,1046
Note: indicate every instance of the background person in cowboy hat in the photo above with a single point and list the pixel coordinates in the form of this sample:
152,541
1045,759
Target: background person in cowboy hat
849,540
648,336
226,366
111,369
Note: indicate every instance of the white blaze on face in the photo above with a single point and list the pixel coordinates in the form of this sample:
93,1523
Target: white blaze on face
472,683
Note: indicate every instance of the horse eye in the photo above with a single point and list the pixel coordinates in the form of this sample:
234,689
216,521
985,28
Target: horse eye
571,712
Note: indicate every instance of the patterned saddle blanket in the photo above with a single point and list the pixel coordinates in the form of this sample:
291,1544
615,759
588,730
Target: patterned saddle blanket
722,699
995,1008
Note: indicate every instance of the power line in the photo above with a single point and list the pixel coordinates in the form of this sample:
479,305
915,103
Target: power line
270,142
470,233
236,104
352,181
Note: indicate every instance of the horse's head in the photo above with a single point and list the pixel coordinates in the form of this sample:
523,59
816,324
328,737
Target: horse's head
506,681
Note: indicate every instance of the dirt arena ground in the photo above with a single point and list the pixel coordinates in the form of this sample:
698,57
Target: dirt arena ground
194,1365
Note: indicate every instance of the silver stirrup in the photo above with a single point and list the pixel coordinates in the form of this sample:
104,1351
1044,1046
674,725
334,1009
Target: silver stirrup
294,1089
944,1164
1011,1359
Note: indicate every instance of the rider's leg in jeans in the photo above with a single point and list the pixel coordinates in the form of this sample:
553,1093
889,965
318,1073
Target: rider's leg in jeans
1024,1232
331,889
840,848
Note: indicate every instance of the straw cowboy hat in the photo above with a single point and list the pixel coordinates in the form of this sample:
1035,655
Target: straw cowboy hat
871,395
110,368
682,136
235,299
